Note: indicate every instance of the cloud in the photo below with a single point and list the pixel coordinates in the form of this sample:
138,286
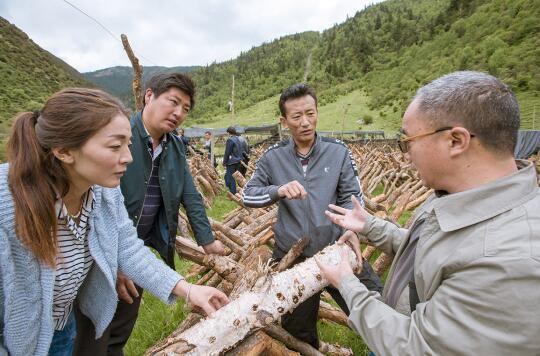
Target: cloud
167,32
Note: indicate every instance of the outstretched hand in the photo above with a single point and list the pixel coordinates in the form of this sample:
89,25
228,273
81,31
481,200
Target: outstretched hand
349,219
208,299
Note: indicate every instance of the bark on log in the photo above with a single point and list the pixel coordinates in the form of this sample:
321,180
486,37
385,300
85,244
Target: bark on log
239,237
184,217
382,263
280,334
196,270
235,199
229,243
232,214
329,312
414,203
240,179
334,350
256,267
263,305
207,188
188,322
261,222
137,73
204,279
400,206
291,255
368,251
260,344
224,266
269,234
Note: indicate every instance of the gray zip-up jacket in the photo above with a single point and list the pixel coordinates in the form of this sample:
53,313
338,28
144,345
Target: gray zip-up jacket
331,177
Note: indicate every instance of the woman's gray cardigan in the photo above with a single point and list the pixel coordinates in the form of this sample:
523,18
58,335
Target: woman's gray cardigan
26,285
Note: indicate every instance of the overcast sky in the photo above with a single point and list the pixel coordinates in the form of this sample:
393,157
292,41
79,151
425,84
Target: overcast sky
167,32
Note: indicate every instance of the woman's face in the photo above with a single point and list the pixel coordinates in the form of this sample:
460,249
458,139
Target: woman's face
103,159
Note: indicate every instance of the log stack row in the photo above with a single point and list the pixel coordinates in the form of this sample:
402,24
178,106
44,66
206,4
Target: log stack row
259,291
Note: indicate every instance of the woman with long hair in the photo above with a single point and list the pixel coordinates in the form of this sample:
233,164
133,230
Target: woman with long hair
64,230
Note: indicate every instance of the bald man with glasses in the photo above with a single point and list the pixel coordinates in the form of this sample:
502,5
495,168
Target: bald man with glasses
469,266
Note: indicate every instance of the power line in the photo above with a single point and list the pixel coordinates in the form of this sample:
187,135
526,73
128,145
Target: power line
106,29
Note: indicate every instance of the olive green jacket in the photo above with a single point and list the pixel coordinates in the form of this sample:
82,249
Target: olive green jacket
477,273
177,188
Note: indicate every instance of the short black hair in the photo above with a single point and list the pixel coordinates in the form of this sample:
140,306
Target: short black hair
231,130
160,83
297,90
207,132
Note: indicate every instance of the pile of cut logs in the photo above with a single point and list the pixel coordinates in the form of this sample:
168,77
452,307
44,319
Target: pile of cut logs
260,292
205,176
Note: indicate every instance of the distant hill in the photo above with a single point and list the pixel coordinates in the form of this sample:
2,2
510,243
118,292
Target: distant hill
28,74
117,80
387,50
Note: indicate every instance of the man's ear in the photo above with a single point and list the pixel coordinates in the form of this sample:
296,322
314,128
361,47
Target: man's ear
64,155
147,95
283,121
459,140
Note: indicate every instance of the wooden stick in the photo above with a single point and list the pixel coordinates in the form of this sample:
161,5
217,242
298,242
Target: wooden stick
291,256
229,243
280,334
334,350
329,312
239,237
137,73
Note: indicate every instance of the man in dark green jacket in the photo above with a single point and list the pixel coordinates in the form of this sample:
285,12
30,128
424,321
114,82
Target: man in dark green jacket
154,186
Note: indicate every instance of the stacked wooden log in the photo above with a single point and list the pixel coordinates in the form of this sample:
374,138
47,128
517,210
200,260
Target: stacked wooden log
246,276
205,176
248,236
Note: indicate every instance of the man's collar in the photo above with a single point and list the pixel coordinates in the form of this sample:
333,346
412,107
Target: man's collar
145,130
459,210
292,144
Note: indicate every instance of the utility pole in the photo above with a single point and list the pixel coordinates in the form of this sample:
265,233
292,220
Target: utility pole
343,119
534,115
232,97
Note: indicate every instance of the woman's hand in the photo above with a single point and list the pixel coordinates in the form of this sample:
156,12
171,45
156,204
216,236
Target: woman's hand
354,219
208,299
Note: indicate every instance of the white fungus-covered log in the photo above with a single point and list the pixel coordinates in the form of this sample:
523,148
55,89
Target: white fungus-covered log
272,296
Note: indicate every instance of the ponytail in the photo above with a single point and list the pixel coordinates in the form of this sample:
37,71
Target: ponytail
32,189
36,177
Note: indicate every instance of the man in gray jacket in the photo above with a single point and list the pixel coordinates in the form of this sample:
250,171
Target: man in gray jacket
472,254
304,174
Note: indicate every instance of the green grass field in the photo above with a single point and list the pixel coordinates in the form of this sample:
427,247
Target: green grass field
343,114
339,115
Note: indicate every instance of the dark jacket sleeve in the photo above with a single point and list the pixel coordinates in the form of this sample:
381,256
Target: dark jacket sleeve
228,151
193,203
260,191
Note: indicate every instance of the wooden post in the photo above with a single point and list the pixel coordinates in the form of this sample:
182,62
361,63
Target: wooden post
137,74
212,146
232,96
